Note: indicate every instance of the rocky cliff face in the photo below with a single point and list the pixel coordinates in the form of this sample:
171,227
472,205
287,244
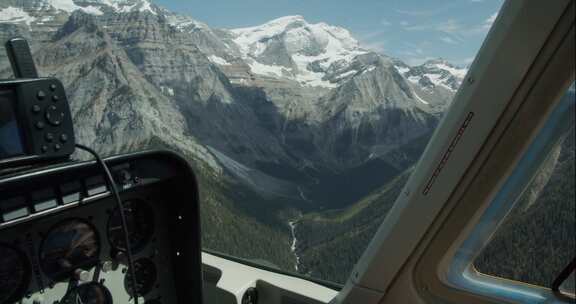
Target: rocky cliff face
113,104
289,100
374,112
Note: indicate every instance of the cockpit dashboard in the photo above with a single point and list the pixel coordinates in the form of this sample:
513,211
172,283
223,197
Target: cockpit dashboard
61,237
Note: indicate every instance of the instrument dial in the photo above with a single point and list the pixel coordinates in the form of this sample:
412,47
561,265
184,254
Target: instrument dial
146,276
70,245
140,222
91,293
14,274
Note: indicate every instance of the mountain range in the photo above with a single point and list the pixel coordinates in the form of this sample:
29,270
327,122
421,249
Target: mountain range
294,128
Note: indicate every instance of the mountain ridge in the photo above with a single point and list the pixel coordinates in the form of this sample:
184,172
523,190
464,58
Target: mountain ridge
359,108
365,113
336,123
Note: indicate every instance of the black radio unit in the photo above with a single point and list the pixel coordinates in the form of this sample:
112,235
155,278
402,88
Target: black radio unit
35,119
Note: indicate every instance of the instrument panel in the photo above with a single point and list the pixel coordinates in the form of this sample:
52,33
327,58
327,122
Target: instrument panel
74,251
14,273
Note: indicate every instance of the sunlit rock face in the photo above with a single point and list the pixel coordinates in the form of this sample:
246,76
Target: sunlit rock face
284,96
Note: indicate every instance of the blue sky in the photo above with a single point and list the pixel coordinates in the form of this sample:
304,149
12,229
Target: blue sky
412,30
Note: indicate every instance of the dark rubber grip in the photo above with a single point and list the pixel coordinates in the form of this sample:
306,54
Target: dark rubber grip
21,58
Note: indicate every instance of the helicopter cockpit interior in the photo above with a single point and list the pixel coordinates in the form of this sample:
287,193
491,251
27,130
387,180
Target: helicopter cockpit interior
84,221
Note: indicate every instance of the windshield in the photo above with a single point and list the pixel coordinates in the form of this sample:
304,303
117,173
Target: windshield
301,119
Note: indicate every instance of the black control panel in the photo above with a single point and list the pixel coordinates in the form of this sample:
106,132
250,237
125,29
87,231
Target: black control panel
44,119
35,119
61,237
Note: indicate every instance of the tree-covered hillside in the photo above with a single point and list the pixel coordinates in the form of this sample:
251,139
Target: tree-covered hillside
538,239
330,243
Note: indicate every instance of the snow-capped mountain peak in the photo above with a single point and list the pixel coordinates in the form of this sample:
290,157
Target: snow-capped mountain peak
434,73
15,15
273,26
298,35
444,65
185,23
126,6
27,11
49,14
290,47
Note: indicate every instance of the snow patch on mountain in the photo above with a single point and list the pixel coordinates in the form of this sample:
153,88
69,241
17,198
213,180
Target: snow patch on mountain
402,70
414,79
267,70
307,77
458,72
127,6
435,79
44,20
218,60
346,74
15,15
368,70
434,73
92,7
420,99
70,6
167,90
147,7
185,23
91,10
97,7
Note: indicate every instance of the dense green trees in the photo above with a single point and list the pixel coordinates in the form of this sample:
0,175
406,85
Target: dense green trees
536,241
538,238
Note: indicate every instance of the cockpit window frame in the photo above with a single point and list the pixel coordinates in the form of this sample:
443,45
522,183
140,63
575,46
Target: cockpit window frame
461,272
548,80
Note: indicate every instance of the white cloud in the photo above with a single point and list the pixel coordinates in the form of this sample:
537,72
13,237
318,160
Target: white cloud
373,41
371,35
419,51
385,22
451,27
476,1
448,40
489,21
376,46
415,13
434,8
426,12
413,52
418,27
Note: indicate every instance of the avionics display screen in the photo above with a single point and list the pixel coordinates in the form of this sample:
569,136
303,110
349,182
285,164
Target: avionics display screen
10,139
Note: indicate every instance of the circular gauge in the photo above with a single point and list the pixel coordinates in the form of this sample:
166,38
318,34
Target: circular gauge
14,274
140,222
91,293
145,277
69,245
